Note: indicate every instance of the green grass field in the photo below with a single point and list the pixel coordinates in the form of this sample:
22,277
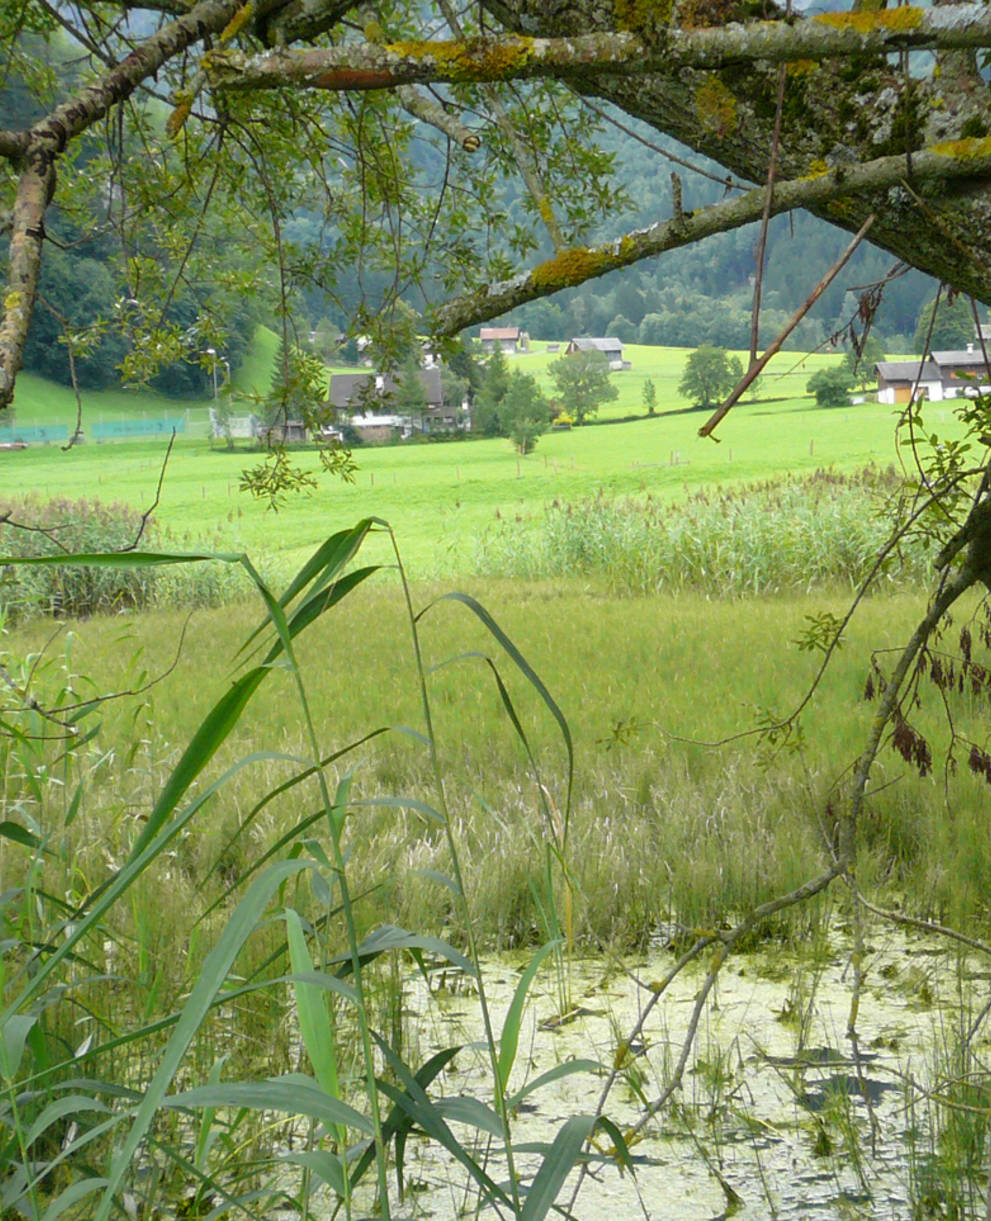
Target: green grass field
785,378
441,497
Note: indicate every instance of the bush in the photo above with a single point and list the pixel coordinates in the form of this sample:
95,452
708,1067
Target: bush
830,387
30,528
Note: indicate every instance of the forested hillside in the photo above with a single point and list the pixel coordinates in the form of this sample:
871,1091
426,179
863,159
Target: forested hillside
703,293
96,270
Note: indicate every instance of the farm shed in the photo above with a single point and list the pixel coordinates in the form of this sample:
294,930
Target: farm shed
611,349
897,378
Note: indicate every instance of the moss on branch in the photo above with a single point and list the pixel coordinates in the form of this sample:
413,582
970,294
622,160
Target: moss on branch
716,107
867,21
642,16
962,150
470,60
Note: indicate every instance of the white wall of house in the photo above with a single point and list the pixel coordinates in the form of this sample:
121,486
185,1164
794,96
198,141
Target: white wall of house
934,392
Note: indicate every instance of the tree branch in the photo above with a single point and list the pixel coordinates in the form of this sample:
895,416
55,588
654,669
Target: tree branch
280,23
33,194
757,366
425,108
13,144
528,168
91,104
351,66
39,149
957,159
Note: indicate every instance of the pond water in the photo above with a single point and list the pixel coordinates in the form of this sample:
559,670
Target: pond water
778,1114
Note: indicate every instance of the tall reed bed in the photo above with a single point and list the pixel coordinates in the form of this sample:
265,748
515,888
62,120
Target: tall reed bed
210,902
31,527
787,534
151,1109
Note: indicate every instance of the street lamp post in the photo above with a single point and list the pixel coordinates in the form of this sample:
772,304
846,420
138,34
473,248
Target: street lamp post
212,353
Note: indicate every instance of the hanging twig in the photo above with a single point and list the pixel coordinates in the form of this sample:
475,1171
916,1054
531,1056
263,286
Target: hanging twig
146,515
725,180
765,220
756,368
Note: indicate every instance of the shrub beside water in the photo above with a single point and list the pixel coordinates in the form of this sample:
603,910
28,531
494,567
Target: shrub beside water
786,535
30,527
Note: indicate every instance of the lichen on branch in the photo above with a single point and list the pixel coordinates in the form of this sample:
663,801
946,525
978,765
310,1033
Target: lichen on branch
964,159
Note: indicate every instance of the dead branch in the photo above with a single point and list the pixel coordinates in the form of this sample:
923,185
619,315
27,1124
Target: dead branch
757,366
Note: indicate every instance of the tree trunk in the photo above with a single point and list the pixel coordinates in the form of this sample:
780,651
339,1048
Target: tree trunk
835,113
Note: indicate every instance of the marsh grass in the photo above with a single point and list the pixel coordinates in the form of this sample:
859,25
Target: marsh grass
786,534
360,1096
264,1000
660,829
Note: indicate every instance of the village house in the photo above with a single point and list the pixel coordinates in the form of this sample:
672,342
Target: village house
897,378
963,371
366,402
283,432
610,348
945,375
506,338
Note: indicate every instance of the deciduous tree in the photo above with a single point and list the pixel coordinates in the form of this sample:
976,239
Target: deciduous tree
583,382
486,415
524,411
649,396
830,386
710,374
409,397
944,324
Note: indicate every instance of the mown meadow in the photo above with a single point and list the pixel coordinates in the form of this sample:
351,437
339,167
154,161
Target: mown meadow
220,884
443,498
